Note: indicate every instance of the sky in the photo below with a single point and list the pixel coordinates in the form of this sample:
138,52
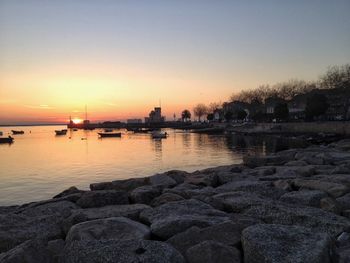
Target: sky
122,58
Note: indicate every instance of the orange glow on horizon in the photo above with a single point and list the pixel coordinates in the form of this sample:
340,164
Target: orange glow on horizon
77,120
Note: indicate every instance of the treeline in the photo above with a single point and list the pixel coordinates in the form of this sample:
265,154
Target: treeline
335,77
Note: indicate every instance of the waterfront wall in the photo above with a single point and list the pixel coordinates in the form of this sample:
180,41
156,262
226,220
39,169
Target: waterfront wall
341,128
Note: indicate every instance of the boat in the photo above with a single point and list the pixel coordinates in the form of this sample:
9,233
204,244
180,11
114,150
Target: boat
1,133
141,130
17,132
6,140
159,135
108,130
75,129
61,132
110,134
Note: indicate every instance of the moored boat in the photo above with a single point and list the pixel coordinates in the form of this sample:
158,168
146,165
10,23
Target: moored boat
1,133
61,132
6,139
110,134
108,130
159,135
17,132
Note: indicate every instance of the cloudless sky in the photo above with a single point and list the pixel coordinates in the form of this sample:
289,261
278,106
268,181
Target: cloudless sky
121,57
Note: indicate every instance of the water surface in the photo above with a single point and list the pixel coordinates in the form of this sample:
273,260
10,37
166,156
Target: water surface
39,164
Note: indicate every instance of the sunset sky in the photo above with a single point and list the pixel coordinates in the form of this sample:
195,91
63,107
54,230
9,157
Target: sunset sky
121,57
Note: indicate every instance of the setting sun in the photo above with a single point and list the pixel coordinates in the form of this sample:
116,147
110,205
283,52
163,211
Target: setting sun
77,120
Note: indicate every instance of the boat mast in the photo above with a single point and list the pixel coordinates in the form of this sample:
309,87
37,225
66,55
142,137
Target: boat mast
86,112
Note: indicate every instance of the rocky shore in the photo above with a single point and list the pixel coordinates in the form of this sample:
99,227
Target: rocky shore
293,206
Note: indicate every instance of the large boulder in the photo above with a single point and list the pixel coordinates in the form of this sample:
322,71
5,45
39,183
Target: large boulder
257,187
121,185
103,198
310,217
172,218
256,161
202,179
166,198
61,209
333,189
81,215
15,229
69,191
162,180
278,243
227,233
304,197
115,228
120,251
144,194
212,252
31,251
344,202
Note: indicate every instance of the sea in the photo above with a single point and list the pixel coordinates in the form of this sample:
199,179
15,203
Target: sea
39,164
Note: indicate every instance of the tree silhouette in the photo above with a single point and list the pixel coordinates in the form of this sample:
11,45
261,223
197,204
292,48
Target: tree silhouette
186,115
316,105
200,110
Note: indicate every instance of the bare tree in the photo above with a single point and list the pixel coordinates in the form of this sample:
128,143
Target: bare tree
214,106
336,77
200,110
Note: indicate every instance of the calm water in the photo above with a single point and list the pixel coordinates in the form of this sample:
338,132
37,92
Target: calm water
39,164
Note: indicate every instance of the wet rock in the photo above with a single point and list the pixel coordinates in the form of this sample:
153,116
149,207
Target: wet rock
144,194
177,175
341,169
166,198
8,209
31,251
211,252
69,191
330,204
304,197
118,251
117,228
102,198
333,189
278,243
343,240
55,247
314,160
175,217
227,233
81,215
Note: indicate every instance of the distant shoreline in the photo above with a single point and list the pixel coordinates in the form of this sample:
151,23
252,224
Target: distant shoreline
26,125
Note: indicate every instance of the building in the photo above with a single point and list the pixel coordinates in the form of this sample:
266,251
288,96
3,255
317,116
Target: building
133,121
155,116
271,103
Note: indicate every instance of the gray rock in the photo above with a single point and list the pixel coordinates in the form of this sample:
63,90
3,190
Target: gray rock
55,247
181,190
304,197
120,228
122,185
296,163
344,202
82,215
333,189
278,243
256,187
343,254
256,161
175,217
315,218
15,229
162,180
227,233
144,194
69,191
118,251
213,252
31,251
330,204
285,185
61,209
341,169
103,198
203,179
343,240
166,198
178,176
